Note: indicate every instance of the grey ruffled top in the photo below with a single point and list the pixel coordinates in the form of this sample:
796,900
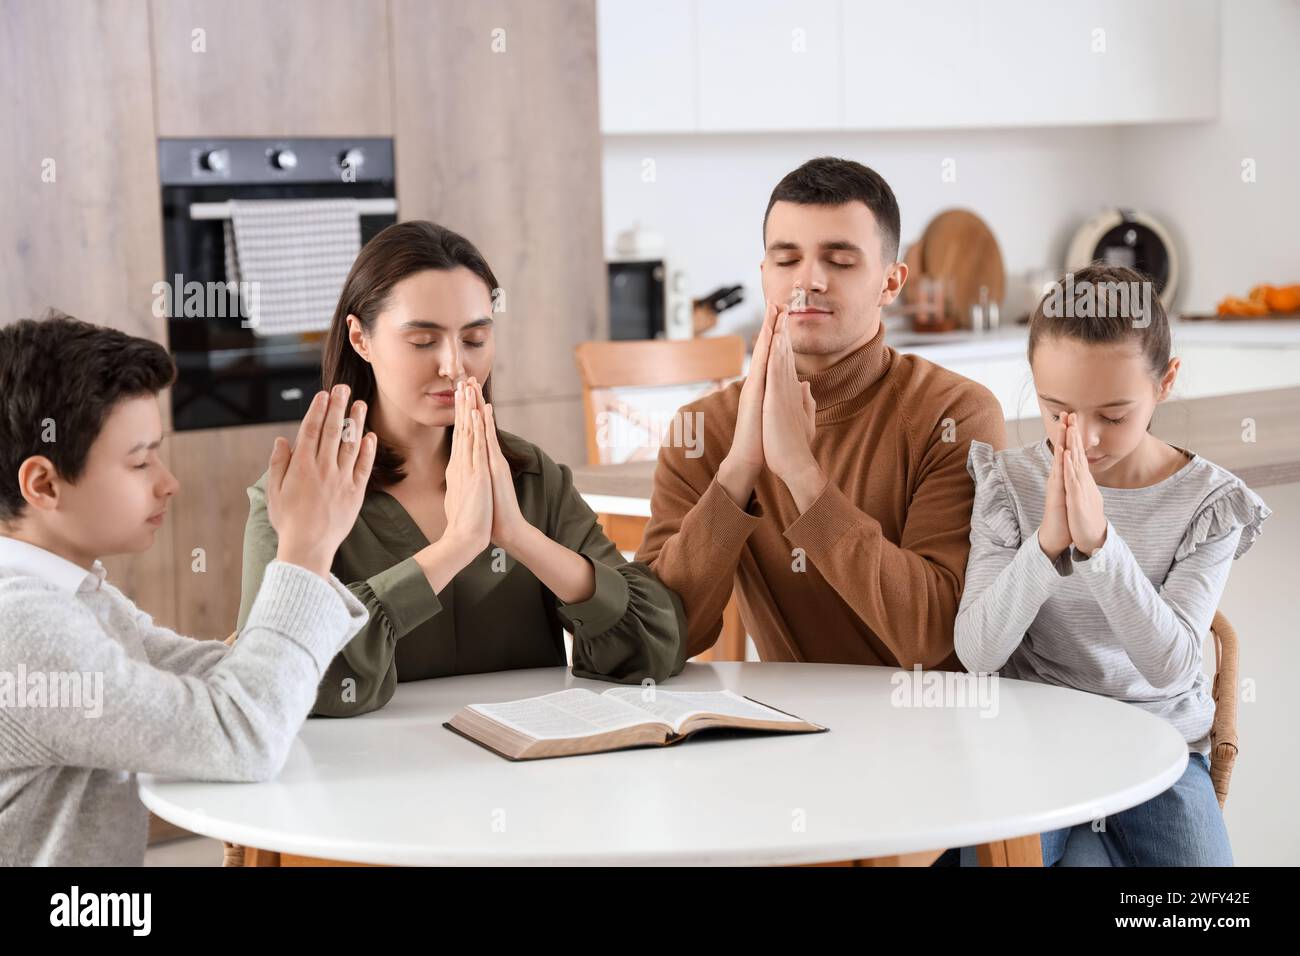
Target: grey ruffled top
1130,621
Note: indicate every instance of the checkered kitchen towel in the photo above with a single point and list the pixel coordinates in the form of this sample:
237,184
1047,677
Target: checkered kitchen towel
298,252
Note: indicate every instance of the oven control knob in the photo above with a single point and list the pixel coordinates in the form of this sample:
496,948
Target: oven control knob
215,161
352,159
284,159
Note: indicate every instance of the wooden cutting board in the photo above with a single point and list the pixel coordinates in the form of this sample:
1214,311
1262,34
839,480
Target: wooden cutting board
959,246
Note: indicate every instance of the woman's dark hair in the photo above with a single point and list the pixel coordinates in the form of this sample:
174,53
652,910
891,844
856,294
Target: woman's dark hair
401,250
1105,304
60,378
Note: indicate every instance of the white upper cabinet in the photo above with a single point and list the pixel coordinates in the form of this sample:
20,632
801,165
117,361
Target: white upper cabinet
766,63
649,73
909,65
1161,62
782,65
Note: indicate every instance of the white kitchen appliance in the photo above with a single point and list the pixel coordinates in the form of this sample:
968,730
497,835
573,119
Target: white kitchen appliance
647,295
1127,237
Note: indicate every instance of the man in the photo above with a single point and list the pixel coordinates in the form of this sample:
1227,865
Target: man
833,488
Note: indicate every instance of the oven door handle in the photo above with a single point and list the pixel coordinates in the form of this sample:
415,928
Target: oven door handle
222,210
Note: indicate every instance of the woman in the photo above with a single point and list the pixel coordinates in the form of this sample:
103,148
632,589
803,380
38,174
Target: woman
472,551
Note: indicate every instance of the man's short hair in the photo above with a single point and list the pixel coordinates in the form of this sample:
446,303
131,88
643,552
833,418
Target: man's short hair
828,181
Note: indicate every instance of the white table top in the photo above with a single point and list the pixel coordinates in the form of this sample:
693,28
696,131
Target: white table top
396,787
618,505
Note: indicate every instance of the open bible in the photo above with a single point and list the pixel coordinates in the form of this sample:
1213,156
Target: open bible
579,721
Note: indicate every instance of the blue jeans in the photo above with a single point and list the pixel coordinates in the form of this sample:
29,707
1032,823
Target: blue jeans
1181,827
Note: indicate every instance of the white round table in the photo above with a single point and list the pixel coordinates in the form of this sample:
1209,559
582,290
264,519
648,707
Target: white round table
396,787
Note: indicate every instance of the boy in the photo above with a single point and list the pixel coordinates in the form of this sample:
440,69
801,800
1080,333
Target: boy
92,691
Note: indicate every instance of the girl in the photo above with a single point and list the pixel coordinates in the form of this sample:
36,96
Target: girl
1098,555
472,551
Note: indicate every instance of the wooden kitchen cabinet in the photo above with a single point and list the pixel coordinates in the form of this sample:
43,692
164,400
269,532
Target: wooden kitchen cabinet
82,222
548,423
493,108
472,163
215,466
495,104
288,68
81,229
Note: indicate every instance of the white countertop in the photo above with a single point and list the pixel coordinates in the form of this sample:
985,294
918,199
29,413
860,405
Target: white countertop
1011,340
1218,358
396,787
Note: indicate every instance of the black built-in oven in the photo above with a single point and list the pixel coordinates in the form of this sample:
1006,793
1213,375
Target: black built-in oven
226,373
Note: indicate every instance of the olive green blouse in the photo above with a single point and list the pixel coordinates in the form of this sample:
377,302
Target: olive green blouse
495,614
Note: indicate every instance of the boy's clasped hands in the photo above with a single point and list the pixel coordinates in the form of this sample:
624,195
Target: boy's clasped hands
1074,512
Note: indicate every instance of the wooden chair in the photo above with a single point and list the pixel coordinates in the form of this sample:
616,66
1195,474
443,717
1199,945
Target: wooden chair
1223,732
656,363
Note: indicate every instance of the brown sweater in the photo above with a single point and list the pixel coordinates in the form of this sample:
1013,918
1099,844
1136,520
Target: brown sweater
883,548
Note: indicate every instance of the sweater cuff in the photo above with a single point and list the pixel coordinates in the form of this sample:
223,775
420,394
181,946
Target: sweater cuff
1102,559
1043,569
603,609
728,524
406,596
828,518
319,616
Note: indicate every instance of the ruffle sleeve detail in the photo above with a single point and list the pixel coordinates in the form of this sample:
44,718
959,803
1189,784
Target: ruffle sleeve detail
994,510
1230,507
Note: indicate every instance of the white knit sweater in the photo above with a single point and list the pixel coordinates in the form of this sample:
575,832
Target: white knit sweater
93,692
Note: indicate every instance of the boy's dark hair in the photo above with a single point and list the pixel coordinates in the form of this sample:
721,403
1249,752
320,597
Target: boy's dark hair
1118,311
61,371
828,181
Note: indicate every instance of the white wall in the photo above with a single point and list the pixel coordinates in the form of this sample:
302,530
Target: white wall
1034,187
1259,601
1234,234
